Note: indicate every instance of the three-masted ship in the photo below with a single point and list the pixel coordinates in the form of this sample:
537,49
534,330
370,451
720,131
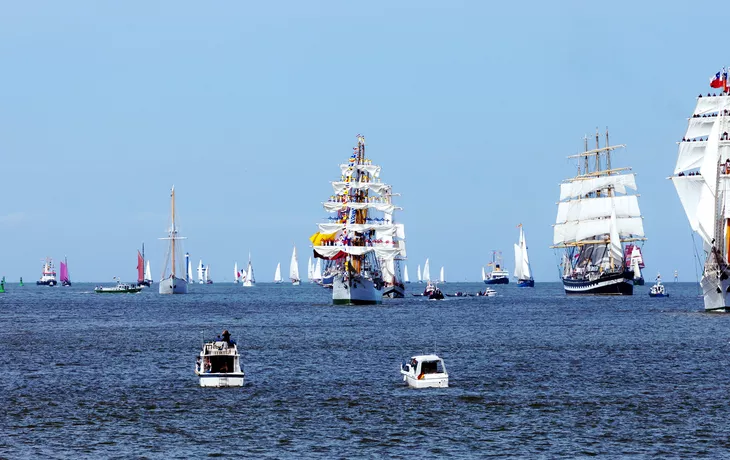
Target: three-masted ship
701,177
597,215
360,242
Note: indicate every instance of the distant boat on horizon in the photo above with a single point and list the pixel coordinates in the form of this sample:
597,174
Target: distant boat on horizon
277,274
65,280
170,283
249,280
48,275
294,268
522,263
142,277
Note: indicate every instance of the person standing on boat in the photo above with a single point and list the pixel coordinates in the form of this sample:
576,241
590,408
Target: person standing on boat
227,338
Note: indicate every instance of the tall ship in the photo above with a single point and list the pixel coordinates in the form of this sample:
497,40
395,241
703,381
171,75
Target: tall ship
702,179
356,240
48,275
172,282
597,215
522,262
497,275
65,279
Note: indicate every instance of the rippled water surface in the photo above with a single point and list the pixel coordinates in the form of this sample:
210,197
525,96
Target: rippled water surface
532,373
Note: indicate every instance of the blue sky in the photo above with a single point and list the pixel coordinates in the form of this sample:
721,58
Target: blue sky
249,107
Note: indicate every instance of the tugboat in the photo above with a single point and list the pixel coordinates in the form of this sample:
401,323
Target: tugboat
658,289
48,277
219,364
425,371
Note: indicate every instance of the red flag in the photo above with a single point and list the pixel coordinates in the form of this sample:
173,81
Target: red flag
718,81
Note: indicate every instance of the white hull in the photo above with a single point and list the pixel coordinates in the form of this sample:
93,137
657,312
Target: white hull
173,286
295,283
247,283
222,380
715,301
426,382
357,291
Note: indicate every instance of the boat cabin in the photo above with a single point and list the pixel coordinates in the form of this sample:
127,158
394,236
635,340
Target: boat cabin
219,365
425,371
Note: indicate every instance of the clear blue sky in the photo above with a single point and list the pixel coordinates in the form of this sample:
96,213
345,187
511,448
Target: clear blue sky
249,107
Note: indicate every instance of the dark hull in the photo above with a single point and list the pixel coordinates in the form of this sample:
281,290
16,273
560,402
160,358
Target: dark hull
147,283
610,284
526,283
46,283
65,283
638,281
504,280
393,292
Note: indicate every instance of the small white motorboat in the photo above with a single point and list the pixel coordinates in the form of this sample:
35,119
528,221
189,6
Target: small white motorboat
488,292
658,289
425,371
219,364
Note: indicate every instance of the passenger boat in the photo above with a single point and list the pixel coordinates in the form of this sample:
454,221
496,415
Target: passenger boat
497,275
119,288
597,214
219,364
48,276
171,283
356,244
425,371
658,289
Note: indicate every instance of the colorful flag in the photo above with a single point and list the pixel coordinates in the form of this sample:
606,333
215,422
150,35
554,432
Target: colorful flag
718,80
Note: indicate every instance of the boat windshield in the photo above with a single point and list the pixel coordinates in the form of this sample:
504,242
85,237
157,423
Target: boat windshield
221,364
432,367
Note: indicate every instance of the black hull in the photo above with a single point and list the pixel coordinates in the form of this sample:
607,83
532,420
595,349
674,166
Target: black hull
65,283
607,284
46,283
144,283
504,280
638,281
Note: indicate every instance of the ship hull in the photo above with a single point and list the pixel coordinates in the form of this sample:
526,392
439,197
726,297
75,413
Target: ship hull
173,285
638,281
46,283
355,291
500,280
715,289
146,283
612,284
526,283
394,292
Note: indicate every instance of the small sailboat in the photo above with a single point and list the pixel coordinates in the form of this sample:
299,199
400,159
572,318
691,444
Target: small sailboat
201,272
188,270
310,271
208,278
484,275
277,274
405,275
65,280
635,262
442,278
236,274
418,274
141,278
48,276
522,263
148,274
170,283
426,272
249,280
294,268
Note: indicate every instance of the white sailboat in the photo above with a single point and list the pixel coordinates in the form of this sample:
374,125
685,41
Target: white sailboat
277,274
317,274
405,275
418,274
701,177
310,270
522,263
170,283
236,274
636,264
148,273
484,274
294,268
201,272
426,272
355,240
208,279
442,278
189,273
250,280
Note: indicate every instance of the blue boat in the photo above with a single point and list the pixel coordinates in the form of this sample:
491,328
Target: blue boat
658,289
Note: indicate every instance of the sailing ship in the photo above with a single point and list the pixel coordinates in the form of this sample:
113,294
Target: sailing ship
142,279
497,275
702,178
522,262
277,274
170,282
48,276
596,215
635,262
405,275
248,279
294,268
355,242
65,280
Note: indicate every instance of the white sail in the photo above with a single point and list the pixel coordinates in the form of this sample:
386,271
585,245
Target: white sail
426,272
277,274
484,275
636,262
148,272
595,208
201,272
236,274
574,231
250,280
317,272
405,275
518,262
207,273
575,188
294,267
522,262
442,278
418,274
310,270
617,252
190,272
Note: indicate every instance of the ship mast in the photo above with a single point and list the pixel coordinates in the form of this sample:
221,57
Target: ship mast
173,231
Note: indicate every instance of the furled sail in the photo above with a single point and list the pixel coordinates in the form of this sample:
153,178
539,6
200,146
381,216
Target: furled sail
581,186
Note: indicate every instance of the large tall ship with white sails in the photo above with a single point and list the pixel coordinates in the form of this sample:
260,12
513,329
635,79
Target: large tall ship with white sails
355,240
701,177
596,216
171,282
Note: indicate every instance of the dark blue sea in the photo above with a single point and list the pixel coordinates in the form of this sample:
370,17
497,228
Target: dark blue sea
533,374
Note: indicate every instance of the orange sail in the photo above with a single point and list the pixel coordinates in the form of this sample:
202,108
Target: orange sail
140,267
